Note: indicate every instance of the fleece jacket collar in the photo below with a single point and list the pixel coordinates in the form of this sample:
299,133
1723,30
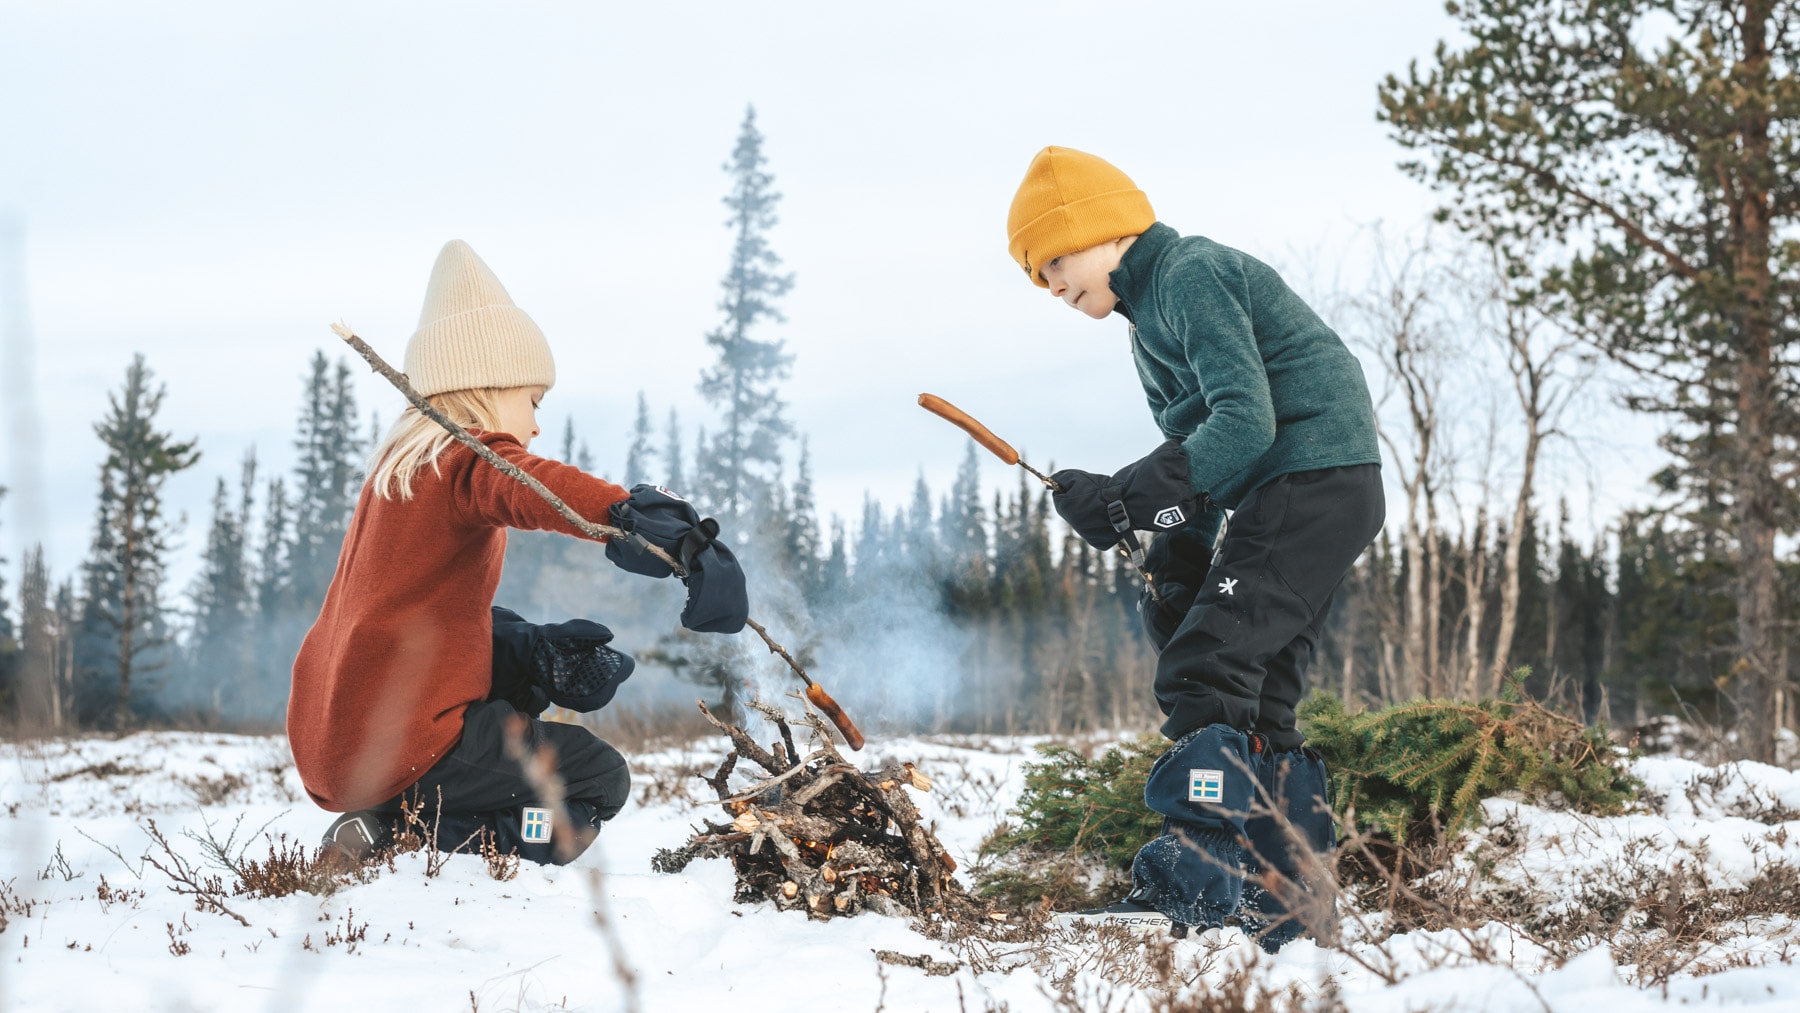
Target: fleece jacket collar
1130,281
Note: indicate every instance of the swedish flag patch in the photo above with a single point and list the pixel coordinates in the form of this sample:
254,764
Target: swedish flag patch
1206,785
534,825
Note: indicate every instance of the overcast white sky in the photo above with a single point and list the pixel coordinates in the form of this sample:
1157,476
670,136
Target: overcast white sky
214,183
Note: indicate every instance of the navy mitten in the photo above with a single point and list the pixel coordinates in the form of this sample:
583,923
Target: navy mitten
656,516
717,601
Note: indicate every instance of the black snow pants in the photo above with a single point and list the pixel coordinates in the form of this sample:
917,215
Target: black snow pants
477,787
1239,656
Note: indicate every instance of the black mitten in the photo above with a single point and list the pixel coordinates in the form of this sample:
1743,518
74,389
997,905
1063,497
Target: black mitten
659,517
1152,494
567,664
515,680
716,599
1178,562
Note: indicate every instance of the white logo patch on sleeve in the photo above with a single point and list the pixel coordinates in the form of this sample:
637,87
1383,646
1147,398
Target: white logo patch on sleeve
1170,517
534,825
1206,786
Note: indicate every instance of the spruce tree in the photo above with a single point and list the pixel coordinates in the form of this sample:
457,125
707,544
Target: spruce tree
40,647
123,616
834,576
870,553
223,651
279,628
327,479
637,458
673,476
741,384
800,532
919,539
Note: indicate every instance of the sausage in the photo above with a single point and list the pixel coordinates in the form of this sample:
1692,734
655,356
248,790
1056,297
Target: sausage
822,700
961,419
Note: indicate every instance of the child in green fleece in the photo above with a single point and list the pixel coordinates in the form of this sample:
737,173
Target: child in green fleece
1267,415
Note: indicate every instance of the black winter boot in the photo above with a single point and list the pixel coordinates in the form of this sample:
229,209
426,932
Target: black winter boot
1279,903
353,837
1193,871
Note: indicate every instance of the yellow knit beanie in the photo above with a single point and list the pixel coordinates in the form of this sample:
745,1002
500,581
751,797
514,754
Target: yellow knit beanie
470,333
1071,200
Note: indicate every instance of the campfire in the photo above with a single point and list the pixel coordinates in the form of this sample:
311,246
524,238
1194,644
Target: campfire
814,833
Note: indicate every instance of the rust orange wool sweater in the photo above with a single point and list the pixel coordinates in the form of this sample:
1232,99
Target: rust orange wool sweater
404,642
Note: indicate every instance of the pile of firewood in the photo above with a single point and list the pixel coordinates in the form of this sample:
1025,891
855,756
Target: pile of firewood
816,834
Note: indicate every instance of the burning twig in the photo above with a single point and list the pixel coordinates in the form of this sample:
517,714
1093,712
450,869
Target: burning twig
814,691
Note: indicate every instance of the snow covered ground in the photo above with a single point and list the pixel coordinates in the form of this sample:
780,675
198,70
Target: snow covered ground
88,923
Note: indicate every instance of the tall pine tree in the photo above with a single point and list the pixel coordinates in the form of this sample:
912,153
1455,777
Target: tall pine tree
123,616
800,533
43,642
222,649
673,475
327,479
741,384
637,458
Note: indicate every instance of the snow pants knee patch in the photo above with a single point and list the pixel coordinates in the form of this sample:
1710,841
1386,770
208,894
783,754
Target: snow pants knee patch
1284,853
1202,786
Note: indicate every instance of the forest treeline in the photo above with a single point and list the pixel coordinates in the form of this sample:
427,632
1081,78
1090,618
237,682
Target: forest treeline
1553,282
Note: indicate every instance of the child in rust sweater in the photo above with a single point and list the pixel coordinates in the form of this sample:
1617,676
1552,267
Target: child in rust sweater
406,684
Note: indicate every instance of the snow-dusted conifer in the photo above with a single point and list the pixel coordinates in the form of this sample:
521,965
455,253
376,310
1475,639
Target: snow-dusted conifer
739,462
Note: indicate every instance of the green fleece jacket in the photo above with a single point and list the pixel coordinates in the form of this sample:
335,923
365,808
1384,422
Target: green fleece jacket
1237,367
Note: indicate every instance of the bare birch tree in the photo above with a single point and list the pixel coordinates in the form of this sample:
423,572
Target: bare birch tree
1548,370
1402,325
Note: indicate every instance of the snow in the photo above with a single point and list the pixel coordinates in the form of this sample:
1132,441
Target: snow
91,925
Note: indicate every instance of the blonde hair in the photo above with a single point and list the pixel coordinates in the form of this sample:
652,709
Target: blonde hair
416,441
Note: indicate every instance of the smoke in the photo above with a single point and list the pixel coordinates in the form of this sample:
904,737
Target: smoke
881,644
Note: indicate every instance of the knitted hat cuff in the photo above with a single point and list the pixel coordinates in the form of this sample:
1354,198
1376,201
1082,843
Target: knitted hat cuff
471,335
489,346
1079,224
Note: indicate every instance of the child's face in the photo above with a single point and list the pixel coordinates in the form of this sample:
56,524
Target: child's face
518,412
1080,278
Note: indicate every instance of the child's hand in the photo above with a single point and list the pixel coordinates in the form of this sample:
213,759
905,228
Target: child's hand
659,517
1152,494
716,599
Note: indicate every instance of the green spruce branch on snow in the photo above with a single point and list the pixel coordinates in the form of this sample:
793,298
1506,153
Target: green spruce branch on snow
1411,773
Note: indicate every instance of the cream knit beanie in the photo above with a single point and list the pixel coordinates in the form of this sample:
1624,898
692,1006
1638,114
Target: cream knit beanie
470,333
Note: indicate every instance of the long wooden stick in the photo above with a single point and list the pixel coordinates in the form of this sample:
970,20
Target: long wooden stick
587,527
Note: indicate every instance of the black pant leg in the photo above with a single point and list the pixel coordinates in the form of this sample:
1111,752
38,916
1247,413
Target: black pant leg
478,783
1284,683
1287,548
